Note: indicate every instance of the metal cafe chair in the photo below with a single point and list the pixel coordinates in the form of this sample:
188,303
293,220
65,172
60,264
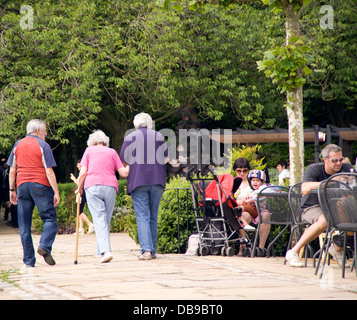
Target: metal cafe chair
274,199
295,198
338,200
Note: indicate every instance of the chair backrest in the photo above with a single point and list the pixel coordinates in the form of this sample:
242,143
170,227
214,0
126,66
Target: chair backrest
275,200
322,199
295,197
338,200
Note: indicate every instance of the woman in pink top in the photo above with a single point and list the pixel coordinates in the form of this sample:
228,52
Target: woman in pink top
99,163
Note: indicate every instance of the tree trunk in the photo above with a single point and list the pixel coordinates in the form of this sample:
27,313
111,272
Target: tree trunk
116,124
294,107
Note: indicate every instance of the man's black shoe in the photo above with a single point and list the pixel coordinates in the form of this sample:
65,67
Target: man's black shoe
338,240
48,258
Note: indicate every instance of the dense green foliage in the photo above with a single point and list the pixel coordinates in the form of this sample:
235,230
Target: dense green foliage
87,62
282,64
176,221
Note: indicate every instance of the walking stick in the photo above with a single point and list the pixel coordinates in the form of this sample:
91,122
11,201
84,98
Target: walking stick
78,201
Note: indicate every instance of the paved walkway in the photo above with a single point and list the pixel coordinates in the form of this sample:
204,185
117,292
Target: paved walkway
169,277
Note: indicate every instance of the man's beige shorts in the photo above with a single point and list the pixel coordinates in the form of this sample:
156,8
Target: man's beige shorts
312,214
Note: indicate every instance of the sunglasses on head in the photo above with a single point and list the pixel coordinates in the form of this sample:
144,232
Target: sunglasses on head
336,160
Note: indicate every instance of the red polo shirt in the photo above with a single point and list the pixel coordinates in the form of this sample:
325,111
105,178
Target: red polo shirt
31,156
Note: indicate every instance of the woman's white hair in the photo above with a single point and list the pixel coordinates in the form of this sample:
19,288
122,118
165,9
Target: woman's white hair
142,120
34,125
97,137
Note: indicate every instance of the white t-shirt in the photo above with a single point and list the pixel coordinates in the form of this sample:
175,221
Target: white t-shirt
243,192
285,174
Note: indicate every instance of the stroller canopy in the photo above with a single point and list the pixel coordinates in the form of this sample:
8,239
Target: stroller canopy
228,184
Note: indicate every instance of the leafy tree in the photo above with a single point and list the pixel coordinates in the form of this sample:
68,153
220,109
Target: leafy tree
41,73
331,89
90,62
96,63
289,76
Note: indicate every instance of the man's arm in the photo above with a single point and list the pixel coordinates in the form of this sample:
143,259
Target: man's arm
312,178
306,187
12,182
53,182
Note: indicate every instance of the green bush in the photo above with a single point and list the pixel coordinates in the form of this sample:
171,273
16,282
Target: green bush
175,198
167,218
251,154
124,216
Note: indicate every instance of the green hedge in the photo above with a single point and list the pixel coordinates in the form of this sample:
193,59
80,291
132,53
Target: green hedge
175,197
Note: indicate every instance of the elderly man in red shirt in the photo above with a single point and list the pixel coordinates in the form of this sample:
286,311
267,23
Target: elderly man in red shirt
31,165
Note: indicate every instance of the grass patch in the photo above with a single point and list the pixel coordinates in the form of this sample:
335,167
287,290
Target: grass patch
5,275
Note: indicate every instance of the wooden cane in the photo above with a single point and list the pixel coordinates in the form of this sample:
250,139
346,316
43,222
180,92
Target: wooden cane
78,201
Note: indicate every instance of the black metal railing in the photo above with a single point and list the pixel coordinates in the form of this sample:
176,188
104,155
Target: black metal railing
187,190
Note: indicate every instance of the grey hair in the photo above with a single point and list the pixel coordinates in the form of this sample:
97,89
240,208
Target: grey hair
142,120
97,137
325,152
34,125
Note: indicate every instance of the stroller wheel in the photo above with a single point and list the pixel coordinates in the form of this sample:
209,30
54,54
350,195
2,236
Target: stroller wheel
223,251
204,251
229,251
198,251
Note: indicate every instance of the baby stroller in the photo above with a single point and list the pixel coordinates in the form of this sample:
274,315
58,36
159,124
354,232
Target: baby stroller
215,213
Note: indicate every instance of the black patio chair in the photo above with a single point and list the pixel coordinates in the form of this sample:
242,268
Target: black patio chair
338,200
275,200
295,198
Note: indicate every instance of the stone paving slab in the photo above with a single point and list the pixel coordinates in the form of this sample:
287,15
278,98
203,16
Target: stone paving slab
169,277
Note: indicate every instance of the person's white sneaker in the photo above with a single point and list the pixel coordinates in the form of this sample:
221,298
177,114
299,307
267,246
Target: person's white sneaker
337,256
91,228
106,257
293,259
249,228
145,256
80,232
